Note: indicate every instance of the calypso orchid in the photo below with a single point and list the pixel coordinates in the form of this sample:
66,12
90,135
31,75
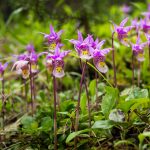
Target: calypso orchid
53,38
138,50
135,24
55,62
22,67
24,61
83,46
2,69
126,9
122,31
145,25
147,13
99,57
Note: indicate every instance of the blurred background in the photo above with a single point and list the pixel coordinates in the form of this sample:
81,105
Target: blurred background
21,22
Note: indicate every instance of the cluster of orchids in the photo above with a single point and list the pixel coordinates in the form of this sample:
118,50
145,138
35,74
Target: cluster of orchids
141,26
88,48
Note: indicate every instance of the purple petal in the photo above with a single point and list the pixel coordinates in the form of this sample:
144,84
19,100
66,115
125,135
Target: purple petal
75,42
128,28
65,53
123,22
115,27
144,44
91,50
89,39
57,50
59,33
96,41
42,53
80,38
5,65
106,51
52,30
100,44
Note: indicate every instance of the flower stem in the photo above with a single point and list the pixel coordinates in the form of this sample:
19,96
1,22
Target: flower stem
133,69
87,95
113,58
55,115
78,104
31,89
149,54
34,93
139,73
25,94
96,78
3,102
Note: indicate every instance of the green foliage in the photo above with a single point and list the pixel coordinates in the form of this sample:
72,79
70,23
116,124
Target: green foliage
72,135
109,100
103,124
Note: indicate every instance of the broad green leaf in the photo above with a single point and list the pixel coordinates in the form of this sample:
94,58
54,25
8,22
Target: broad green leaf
74,134
92,87
126,105
109,100
103,124
83,103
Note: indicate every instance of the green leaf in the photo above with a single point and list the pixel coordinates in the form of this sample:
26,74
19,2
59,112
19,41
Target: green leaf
109,100
122,142
83,103
46,124
133,104
74,134
126,105
137,93
142,136
26,121
103,124
142,102
92,87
